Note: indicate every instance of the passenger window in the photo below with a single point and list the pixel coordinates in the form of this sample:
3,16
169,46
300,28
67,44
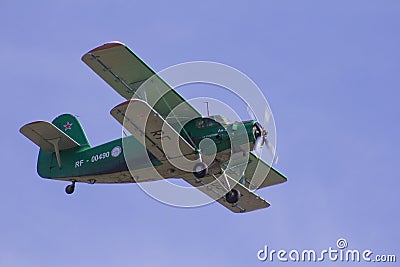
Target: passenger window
204,123
199,124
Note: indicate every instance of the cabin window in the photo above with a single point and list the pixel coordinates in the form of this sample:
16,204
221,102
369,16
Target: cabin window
205,123
199,124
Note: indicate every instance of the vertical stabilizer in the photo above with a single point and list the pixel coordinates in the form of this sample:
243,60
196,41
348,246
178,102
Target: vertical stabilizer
70,125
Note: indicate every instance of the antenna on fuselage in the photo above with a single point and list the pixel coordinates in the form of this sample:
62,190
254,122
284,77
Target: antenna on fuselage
208,111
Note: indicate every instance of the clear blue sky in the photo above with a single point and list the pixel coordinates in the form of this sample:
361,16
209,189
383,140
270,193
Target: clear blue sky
330,70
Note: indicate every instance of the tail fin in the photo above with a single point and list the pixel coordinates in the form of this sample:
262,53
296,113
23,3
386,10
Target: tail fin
70,125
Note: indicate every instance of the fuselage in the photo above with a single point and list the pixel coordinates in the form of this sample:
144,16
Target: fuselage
95,164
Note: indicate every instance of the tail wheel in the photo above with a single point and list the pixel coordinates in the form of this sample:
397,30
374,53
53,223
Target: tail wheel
232,196
200,170
70,188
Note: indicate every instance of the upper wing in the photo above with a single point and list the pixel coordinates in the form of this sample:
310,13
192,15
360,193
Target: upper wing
124,71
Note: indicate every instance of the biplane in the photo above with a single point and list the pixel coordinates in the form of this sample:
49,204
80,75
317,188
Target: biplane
167,134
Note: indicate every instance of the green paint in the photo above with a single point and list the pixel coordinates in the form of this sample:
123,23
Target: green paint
70,125
87,161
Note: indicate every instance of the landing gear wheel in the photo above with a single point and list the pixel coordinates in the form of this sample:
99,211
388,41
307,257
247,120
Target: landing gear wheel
200,170
70,188
232,196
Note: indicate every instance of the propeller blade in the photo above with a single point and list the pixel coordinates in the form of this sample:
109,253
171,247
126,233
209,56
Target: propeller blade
273,151
267,116
258,146
250,112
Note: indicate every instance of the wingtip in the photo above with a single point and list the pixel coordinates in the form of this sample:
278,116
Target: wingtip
122,104
31,123
26,126
107,46
35,122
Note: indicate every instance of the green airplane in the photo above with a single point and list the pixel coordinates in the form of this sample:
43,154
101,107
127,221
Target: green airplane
161,145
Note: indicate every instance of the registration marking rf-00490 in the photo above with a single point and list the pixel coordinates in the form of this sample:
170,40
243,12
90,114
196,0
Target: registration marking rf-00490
98,157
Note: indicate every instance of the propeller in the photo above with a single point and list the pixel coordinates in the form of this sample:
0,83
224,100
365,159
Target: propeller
261,139
261,135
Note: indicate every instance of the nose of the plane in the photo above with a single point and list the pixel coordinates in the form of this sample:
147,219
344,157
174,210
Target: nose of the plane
258,130
259,134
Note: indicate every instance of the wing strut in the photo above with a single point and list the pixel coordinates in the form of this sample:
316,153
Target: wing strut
55,142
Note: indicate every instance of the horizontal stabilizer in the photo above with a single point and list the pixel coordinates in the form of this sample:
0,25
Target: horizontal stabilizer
45,135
